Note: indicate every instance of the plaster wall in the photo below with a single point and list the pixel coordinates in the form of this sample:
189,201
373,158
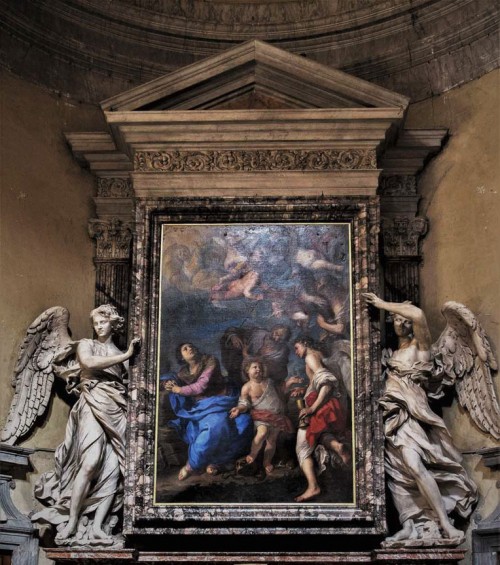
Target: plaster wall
46,254
461,197
45,251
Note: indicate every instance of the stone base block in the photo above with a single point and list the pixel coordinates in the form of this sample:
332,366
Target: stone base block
436,556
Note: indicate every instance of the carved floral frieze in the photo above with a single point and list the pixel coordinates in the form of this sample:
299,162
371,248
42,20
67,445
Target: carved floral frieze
401,235
113,238
257,160
114,187
398,185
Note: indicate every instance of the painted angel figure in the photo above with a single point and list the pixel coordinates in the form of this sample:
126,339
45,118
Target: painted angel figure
84,492
423,467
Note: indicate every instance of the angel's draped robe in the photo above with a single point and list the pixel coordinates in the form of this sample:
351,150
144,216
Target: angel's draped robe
98,417
410,422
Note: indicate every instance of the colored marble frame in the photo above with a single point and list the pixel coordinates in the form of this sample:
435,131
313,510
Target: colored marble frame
147,509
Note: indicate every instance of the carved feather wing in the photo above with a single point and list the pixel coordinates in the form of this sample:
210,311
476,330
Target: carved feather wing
468,362
33,375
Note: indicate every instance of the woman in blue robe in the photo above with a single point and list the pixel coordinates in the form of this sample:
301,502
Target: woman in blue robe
201,402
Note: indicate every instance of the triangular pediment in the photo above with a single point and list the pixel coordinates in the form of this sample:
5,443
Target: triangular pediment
254,75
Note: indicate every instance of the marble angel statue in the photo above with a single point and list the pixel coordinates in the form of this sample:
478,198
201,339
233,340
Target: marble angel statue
83,494
424,473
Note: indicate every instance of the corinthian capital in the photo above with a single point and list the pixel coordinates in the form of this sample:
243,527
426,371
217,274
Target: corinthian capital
402,234
113,238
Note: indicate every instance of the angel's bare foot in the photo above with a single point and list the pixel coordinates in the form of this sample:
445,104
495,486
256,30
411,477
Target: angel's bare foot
249,459
184,473
68,530
451,532
308,494
212,469
268,468
101,536
408,531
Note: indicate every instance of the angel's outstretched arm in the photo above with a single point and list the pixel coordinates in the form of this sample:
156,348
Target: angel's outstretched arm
416,315
89,361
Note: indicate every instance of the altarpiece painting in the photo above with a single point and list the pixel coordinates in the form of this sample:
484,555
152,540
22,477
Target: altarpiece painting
236,293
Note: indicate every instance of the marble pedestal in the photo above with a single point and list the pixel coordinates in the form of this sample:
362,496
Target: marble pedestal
17,533
486,537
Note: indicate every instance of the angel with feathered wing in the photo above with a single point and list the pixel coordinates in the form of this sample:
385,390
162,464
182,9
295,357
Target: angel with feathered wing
423,467
85,490
47,342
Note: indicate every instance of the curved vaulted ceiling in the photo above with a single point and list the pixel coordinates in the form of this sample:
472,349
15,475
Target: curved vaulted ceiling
94,49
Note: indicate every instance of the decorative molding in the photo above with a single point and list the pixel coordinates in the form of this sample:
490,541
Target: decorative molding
401,236
114,187
113,238
257,160
398,185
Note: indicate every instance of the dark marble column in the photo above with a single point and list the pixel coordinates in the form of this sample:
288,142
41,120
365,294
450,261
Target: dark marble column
113,233
112,259
401,233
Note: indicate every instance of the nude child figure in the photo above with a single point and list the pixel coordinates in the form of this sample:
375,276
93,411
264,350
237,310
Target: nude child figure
259,396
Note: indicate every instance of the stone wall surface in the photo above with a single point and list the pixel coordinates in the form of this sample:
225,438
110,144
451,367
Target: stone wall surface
461,198
45,252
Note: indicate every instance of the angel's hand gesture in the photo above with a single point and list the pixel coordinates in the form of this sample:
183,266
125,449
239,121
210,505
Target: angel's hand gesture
133,346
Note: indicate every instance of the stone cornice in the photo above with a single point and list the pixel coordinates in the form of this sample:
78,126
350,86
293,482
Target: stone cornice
257,183
97,151
323,128
333,149
412,149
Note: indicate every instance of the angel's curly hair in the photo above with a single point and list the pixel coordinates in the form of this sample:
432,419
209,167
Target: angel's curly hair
117,321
